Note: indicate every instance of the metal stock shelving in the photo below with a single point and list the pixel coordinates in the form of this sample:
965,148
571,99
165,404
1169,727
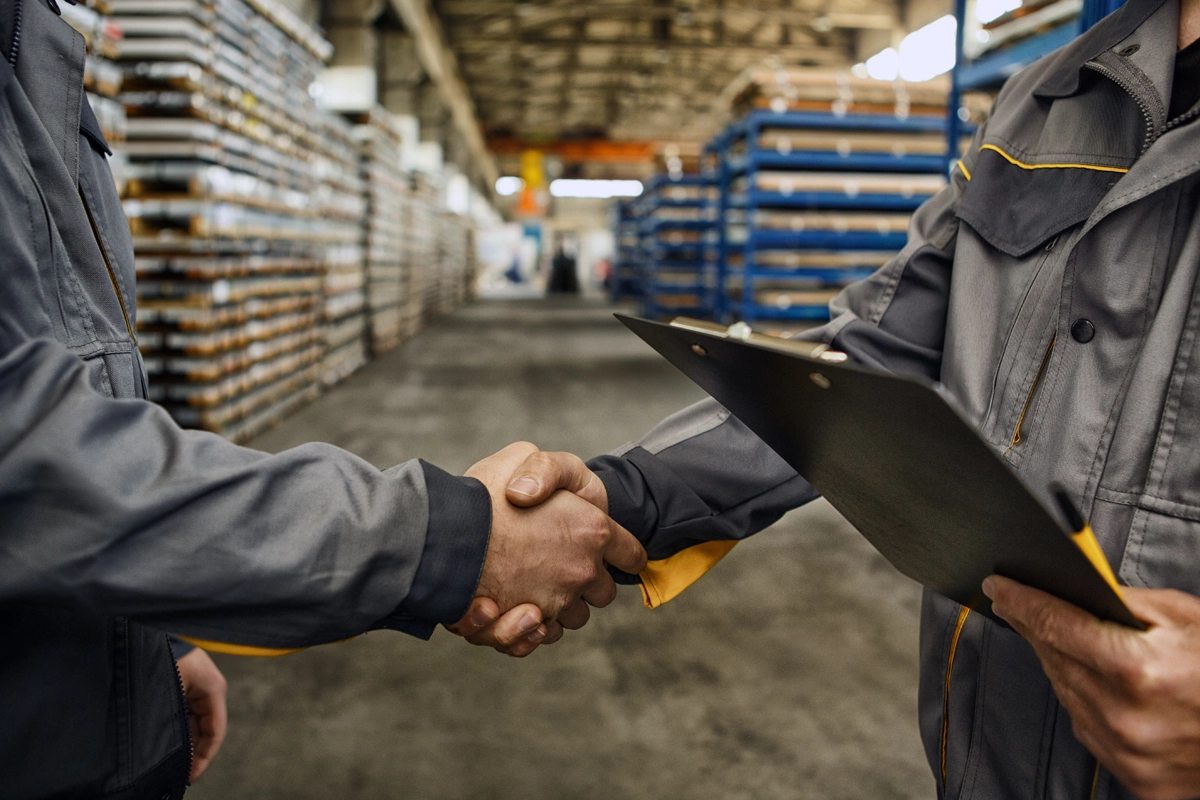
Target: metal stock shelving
812,201
677,226
625,280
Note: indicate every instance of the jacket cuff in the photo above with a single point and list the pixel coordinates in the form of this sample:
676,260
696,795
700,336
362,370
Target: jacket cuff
456,543
627,502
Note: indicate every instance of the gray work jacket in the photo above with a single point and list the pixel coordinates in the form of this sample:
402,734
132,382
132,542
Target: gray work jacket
115,524
1052,289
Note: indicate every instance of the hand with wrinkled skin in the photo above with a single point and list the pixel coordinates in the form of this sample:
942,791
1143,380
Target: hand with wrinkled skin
1133,696
535,610
204,690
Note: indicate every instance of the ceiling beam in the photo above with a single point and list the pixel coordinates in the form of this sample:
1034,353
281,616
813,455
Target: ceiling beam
543,13
470,45
442,67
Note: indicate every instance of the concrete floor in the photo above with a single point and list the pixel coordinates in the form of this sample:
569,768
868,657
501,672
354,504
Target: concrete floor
788,672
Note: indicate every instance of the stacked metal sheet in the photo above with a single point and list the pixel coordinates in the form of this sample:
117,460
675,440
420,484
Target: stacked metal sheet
423,249
385,228
342,196
455,263
808,89
240,195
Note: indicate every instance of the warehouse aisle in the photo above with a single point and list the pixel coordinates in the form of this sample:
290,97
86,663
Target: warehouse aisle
790,671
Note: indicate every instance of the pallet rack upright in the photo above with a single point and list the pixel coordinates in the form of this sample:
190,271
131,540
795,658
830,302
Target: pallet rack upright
624,281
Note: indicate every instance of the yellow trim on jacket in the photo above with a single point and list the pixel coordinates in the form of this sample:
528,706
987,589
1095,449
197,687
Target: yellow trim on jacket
664,580
1023,165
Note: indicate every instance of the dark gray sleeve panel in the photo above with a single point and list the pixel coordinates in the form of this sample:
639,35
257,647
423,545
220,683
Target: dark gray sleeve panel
107,504
718,483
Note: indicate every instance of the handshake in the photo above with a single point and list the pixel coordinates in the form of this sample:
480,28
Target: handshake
545,564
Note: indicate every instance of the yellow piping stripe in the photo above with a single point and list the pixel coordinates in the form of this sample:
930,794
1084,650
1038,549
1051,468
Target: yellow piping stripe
664,580
958,628
1023,165
1095,782
245,649
963,167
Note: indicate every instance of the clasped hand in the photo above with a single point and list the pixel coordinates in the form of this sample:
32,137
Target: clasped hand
545,564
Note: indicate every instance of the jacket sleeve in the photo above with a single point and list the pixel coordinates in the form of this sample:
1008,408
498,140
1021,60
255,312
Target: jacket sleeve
108,505
701,475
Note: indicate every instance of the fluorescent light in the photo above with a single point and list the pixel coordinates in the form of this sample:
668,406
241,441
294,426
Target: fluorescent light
859,70
509,185
575,187
884,65
928,52
988,10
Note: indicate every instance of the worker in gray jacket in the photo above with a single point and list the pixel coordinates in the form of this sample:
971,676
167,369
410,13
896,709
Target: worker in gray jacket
116,525
1052,289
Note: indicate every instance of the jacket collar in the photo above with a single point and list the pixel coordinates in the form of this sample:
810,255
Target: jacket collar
1105,35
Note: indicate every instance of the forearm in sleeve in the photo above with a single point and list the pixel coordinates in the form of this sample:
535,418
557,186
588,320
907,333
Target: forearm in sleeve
108,505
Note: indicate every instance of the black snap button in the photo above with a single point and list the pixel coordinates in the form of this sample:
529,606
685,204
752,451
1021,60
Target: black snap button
1083,331
1130,50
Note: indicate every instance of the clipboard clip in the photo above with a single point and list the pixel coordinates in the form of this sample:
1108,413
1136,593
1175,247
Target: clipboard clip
740,331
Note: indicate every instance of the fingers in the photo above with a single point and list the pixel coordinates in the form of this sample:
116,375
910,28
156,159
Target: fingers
524,622
1043,618
602,592
501,464
542,474
483,612
576,616
624,551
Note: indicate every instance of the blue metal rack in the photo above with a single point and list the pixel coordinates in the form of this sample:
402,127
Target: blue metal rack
677,226
625,281
739,160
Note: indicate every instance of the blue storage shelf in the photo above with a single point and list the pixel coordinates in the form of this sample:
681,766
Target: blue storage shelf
761,239
829,200
659,253
738,155
855,162
625,281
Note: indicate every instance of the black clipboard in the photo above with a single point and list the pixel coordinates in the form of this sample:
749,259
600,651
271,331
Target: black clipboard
896,459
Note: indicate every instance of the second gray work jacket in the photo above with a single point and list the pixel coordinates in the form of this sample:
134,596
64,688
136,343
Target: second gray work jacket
115,524
1052,289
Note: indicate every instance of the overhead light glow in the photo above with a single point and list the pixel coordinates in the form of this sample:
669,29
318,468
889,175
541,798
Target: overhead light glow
884,65
988,10
603,190
509,185
928,52
859,70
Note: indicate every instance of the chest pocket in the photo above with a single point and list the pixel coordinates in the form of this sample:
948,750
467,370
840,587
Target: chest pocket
1018,206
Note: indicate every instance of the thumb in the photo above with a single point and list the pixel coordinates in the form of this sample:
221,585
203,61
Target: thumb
542,474
624,551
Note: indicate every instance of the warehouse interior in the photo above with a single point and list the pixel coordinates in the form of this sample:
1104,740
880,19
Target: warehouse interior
403,226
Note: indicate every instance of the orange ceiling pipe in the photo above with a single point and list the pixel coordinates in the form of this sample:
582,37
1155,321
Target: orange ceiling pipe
580,149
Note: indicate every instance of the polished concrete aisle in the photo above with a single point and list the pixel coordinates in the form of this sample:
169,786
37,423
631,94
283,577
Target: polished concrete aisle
788,672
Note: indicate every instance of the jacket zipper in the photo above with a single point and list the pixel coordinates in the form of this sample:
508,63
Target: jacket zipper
1151,134
958,629
112,274
1016,436
1182,118
187,728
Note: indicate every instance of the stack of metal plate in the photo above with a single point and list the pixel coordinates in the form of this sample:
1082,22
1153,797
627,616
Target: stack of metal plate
245,206
455,272
424,249
102,75
385,228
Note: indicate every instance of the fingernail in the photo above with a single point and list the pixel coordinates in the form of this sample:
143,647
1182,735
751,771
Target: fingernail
536,636
479,618
989,588
524,485
528,623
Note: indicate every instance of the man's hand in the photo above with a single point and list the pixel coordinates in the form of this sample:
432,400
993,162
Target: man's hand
546,557
1133,696
204,690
